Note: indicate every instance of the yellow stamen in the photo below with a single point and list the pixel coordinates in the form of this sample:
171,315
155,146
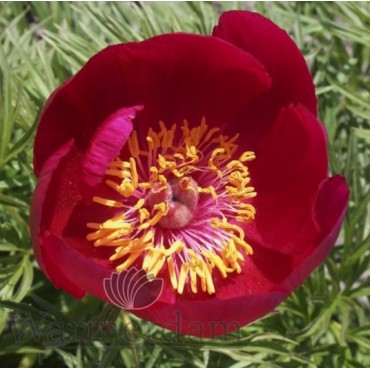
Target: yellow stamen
172,272
135,177
133,144
217,261
144,214
128,263
139,204
126,188
209,190
240,241
208,279
107,202
182,277
247,156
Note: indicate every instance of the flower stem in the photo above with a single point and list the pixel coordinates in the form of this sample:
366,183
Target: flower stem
129,326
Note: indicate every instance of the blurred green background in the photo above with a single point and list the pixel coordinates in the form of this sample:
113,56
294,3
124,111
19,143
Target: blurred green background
324,324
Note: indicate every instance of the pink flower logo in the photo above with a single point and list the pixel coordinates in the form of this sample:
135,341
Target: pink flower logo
132,289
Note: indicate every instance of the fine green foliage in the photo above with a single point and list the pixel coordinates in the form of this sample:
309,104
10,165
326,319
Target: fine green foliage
324,324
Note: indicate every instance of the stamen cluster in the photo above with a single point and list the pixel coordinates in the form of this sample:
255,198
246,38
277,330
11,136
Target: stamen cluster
179,196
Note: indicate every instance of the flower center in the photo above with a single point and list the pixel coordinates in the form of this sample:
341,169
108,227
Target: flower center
180,200
181,195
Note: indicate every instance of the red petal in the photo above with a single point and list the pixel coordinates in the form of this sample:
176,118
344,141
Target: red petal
272,46
79,174
211,317
174,76
38,198
330,207
55,263
291,161
217,315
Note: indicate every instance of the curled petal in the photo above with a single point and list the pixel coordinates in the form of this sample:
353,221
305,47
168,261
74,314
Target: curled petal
330,206
291,161
273,47
106,144
38,198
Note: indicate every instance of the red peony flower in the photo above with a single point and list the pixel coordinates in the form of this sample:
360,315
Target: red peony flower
198,159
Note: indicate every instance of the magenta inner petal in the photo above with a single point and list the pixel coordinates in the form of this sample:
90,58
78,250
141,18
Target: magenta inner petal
104,146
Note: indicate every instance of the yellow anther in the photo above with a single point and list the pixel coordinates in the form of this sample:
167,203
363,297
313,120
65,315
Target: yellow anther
147,260
164,164
97,234
133,144
239,166
172,272
162,209
224,224
182,277
247,156
125,188
215,157
118,173
93,225
240,241
162,181
145,185
176,247
132,246
217,152
191,152
211,132
116,224
208,279
134,175
163,128
217,261
193,280
184,170
168,137
147,237
128,263
107,202
102,240
245,213
179,156
153,140
139,204
153,173
144,214
150,141
209,190
117,242
156,218
157,260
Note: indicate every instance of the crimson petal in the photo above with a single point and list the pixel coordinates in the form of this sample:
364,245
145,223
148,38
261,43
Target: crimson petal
291,161
167,74
330,206
273,47
39,195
